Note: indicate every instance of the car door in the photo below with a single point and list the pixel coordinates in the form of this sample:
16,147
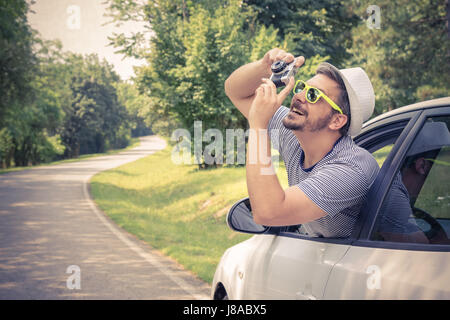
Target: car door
290,265
410,259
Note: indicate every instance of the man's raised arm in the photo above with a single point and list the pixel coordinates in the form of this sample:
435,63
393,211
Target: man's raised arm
241,84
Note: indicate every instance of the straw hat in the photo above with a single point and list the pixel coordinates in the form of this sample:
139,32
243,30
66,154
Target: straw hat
361,96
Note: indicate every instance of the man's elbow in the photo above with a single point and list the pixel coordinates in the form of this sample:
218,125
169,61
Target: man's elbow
258,220
263,217
278,216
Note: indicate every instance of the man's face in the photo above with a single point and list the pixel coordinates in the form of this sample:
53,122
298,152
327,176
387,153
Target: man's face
312,117
414,176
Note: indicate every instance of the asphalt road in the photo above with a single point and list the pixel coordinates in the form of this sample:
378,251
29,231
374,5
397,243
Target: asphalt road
56,244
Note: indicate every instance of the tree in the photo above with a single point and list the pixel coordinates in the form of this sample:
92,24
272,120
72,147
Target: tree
407,59
48,95
194,47
17,60
316,27
139,109
215,44
32,117
94,116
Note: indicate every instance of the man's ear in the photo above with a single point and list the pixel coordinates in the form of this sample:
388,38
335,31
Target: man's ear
338,121
420,166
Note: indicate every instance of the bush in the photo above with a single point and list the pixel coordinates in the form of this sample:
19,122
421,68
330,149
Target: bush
6,148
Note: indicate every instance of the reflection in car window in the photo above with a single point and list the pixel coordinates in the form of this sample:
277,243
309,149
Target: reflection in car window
381,154
416,208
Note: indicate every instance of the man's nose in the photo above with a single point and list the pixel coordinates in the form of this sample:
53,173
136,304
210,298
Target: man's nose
301,96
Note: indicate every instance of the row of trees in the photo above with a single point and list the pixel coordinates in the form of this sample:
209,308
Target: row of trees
195,45
61,104
57,104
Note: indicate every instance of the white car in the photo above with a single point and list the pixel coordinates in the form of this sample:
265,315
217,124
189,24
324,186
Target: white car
381,260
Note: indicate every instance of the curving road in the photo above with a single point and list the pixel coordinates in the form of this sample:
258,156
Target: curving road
56,244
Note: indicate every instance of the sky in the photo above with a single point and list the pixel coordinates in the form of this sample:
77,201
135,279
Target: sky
78,24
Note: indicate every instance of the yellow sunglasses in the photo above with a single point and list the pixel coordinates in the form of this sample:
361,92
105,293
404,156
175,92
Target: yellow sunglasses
313,94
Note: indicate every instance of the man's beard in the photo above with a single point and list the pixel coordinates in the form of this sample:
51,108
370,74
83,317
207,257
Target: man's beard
294,121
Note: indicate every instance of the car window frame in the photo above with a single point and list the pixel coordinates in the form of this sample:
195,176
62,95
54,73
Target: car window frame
385,175
380,190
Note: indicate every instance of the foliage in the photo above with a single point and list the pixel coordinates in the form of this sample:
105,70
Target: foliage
42,88
316,27
57,104
94,116
17,60
28,108
138,108
195,46
6,147
214,46
407,59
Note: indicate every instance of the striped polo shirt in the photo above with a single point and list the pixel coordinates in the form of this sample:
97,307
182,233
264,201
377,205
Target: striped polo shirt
396,215
338,184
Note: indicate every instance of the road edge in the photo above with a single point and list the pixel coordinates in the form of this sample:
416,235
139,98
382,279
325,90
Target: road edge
124,237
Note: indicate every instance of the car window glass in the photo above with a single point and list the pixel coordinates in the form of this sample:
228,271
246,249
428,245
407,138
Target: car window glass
381,154
417,206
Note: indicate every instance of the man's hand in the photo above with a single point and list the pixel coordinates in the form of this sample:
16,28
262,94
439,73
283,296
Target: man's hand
278,54
241,84
266,102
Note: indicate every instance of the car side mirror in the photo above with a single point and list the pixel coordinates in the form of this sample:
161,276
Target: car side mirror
240,218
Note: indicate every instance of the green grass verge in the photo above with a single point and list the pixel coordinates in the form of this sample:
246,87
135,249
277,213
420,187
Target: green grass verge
177,209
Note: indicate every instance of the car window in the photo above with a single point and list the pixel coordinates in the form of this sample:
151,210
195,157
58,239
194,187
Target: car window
380,141
417,206
381,154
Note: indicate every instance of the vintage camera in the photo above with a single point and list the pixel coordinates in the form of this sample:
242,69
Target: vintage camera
282,72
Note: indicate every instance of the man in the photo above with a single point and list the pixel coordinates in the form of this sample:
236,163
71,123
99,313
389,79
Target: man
329,175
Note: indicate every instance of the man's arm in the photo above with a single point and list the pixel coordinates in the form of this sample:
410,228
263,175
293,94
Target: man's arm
271,205
241,84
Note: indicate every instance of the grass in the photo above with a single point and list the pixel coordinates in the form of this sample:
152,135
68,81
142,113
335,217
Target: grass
177,209
434,196
381,154
134,143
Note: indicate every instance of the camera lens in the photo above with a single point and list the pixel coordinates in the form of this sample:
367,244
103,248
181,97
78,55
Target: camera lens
278,66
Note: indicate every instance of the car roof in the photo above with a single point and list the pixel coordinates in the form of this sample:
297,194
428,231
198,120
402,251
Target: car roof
440,102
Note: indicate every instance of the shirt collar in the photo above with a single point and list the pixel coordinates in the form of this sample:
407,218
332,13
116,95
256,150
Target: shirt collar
302,156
